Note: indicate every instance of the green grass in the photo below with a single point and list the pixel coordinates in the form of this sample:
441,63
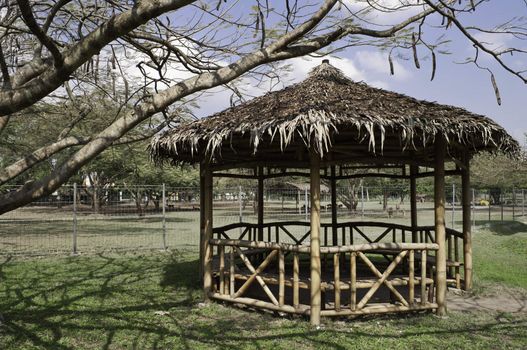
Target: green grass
152,301
500,253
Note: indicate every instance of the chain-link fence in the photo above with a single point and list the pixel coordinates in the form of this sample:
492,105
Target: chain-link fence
87,219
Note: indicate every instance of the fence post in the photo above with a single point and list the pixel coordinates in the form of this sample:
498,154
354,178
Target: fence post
523,202
501,204
240,203
473,210
74,236
453,205
299,200
362,202
306,203
513,203
164,219
490,207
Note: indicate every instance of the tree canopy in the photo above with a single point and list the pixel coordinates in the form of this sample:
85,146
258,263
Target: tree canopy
82,76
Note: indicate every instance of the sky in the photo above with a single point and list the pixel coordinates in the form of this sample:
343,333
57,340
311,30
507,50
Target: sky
456,84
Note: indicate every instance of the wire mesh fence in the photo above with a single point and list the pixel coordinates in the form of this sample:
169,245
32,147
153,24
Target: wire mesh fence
87,219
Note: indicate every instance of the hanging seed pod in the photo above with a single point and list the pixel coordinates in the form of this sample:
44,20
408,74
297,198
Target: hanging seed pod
473,5
414,49
390,61
257,25
496,90
449,22
434,66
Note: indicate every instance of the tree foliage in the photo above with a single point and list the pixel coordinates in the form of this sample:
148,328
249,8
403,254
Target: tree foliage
147,60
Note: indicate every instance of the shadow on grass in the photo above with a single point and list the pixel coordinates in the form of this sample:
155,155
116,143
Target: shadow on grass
151,302
503,228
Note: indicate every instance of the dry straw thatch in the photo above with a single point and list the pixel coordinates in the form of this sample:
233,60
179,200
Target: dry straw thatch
326,104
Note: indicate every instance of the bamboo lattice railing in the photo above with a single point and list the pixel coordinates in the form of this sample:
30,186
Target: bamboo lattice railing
354,232
277,270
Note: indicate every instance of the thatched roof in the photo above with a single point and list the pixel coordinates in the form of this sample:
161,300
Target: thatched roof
329,112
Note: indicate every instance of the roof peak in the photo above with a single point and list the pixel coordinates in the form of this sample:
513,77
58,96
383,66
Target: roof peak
327,71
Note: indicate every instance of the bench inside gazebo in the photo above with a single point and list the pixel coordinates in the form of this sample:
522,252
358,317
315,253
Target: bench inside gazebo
331,128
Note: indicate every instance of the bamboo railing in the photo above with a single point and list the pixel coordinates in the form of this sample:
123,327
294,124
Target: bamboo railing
351,233
280,274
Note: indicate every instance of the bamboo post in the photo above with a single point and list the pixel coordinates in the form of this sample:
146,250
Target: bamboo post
456,258
440,232
207,232
334,207
467,232
281,278
222,269
163,198
453,206
411,276
336,270
353,281
201,219
232,282
315,289
423,277
296,279
260,202
74,234
414,170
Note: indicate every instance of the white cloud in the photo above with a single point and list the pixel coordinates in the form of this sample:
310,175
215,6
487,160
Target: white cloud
385,12
377,62
494,41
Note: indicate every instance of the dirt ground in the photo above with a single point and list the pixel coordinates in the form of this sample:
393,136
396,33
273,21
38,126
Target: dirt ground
498,299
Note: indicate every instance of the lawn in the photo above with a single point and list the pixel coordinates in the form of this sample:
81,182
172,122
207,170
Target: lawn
151,300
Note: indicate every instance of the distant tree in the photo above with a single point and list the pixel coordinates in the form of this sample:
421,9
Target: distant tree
497,172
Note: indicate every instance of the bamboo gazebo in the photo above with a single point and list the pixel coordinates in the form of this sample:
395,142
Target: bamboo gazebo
317,129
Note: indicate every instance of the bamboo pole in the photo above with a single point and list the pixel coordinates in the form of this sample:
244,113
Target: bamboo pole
353,281
281,278
411,275
296,279
439,211
453,205
232,282
467,227
334,206
315,287
222,269
414,170
207,232
260,202
201,219
336,277
423,277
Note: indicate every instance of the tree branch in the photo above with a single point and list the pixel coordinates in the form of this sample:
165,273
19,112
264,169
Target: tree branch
27,15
